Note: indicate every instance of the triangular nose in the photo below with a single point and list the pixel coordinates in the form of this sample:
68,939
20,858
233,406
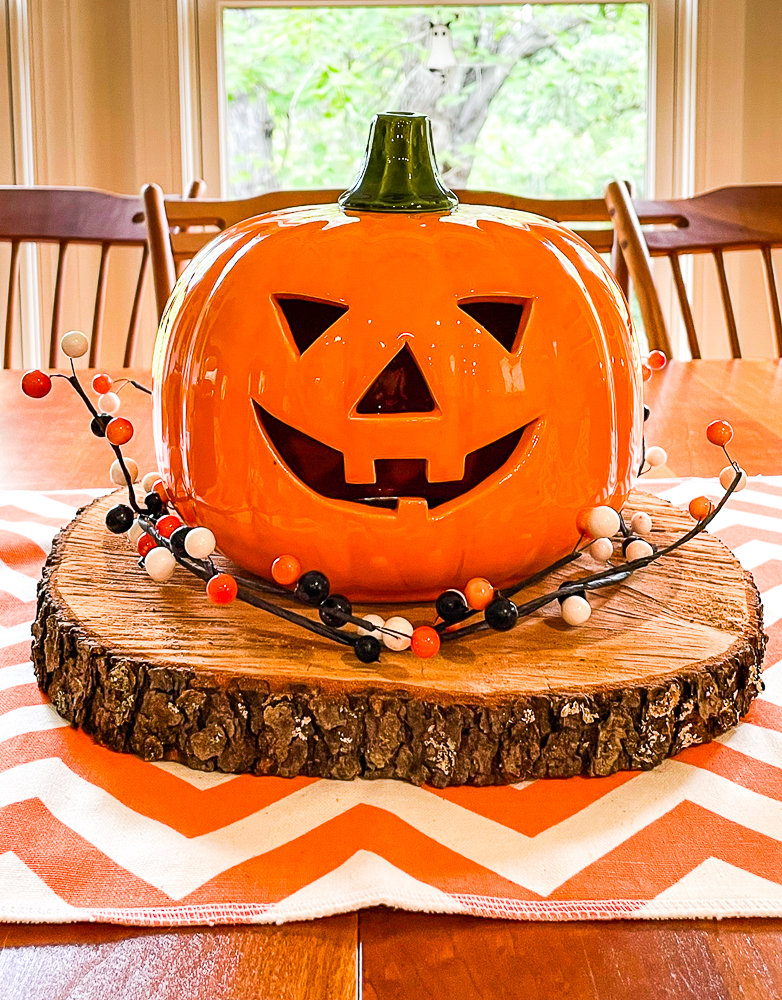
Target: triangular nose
399,388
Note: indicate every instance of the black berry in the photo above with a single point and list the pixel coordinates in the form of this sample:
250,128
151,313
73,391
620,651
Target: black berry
563,597
367,648
119,518
312,588
177,539
647,412
452,606
154,503
99,424
332,611
501,615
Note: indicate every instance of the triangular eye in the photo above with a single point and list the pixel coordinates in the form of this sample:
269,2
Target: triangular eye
399,388
307,319
505,319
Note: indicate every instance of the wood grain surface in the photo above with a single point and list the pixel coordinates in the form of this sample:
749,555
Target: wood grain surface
315,959
461,958
686,608
674,653
43,445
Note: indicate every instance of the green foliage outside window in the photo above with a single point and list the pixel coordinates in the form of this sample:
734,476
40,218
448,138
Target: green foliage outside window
543,100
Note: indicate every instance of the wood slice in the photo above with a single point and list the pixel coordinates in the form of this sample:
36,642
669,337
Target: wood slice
670,658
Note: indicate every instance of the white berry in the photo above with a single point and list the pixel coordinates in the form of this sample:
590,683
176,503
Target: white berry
575,610
601,522
134,532
116,475
373,620
641,523
398,642
727,476
160,564
200,543
149,481
601,549
74,344
638,549
656,455
109,402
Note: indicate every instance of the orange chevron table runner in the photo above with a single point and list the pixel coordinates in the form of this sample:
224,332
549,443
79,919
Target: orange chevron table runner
88,834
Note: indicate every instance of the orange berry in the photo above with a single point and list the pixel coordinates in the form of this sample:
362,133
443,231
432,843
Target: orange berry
479,593
647,372
657,360
159,487
286,570
119,430
700,507
719,432
102,383
221,589
425,641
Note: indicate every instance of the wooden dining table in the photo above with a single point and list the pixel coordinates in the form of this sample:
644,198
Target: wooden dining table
384,954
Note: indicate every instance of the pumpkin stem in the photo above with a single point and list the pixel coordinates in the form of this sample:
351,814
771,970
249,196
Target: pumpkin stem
399,172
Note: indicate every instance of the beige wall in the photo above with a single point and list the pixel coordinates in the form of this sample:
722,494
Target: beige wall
106,114
738,141
105,107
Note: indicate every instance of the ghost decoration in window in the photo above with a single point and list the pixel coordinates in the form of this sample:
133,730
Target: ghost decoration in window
441,55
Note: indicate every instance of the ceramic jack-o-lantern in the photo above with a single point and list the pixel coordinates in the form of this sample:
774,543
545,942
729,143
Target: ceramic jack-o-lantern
402,392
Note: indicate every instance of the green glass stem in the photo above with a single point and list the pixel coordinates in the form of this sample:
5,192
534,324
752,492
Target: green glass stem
399,172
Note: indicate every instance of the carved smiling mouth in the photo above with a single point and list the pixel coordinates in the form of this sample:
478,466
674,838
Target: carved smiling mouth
322,468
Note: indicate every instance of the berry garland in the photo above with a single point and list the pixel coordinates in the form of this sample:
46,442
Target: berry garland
164,541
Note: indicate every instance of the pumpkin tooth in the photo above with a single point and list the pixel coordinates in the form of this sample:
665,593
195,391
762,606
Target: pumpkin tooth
359,468
444,467
412,508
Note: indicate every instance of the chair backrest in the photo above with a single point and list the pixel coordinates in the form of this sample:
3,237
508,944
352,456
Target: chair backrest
67,216
170,244
747,217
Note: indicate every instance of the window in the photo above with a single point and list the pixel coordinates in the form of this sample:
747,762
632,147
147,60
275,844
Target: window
548,100
626,109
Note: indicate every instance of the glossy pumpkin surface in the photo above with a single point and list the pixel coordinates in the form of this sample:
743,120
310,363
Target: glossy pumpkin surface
404,402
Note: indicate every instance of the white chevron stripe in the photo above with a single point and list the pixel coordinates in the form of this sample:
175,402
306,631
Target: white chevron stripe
755,553
202,780
682,492
24,896
17,584
16,675
29,719
756,742
41,534
716,888
177,865
772,680
13,634
365,879
37,503
728,517
758,499
772,605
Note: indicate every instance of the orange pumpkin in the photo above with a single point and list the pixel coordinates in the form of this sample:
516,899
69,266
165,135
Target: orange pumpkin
401,399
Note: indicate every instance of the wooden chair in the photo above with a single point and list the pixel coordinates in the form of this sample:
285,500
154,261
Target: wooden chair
170,245
65,216
730,218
